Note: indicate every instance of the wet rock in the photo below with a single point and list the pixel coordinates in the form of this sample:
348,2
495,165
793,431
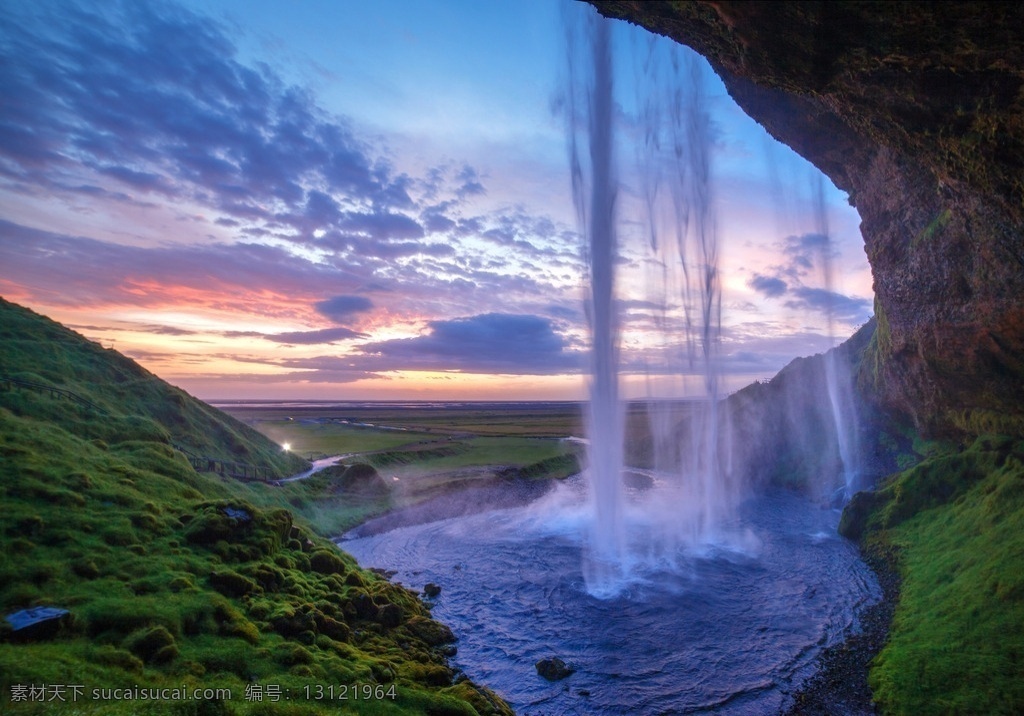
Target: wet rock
237,513
390,615
431,590
365,606
554,669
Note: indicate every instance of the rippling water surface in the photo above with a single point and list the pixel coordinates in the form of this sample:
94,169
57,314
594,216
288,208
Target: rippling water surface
728,628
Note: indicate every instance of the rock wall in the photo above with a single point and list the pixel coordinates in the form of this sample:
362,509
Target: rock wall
917,110
781,432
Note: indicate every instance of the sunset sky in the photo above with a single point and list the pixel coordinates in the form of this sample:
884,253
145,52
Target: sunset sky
366,200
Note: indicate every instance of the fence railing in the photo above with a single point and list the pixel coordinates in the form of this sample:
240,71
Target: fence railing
228,468
53,391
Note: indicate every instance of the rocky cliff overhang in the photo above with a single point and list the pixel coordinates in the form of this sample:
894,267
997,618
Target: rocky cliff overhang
917,110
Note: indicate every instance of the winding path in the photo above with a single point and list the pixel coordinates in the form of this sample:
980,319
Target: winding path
318,465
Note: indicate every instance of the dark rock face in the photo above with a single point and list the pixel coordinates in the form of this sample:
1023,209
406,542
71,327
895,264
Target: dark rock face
554,669
916,110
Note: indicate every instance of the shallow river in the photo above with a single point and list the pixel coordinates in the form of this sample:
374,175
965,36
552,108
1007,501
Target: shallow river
730,628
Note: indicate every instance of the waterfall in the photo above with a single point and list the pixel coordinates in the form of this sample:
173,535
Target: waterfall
692,497
838,380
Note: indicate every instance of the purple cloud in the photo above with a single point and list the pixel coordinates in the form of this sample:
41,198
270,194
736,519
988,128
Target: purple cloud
844,308
768,285
79,271
151,96
470,184
342,308
306,338
492,342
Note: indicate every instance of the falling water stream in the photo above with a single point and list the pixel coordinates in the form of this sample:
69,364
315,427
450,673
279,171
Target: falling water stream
674,168
681,592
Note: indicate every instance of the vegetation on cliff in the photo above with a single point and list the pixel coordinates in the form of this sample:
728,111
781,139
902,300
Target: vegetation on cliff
954,527
172,578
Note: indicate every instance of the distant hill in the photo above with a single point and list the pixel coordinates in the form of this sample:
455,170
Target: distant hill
175,580
125,398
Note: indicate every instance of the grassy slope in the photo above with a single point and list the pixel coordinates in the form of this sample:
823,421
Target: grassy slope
102,517
954,526
128,396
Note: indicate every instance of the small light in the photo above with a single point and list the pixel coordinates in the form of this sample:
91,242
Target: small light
286,446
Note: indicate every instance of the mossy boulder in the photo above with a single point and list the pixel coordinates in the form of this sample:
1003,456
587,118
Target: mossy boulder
232,584
390,615
357,479
333,628
237,529
326,562
855,516
485,701
120,658
291,623
363,604
429,631
155,645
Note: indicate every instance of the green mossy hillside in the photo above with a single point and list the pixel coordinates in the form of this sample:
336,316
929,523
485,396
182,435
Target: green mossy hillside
125,398
181,580
953,525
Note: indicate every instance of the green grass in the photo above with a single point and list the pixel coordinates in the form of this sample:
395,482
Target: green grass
956,520
315,437
101,516
472,452
551,420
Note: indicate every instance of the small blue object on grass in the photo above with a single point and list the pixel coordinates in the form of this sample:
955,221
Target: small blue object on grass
35,618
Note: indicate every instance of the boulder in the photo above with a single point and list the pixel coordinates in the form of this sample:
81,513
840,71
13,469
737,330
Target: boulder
554,669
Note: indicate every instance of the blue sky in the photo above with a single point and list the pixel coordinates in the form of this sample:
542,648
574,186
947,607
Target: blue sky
364,200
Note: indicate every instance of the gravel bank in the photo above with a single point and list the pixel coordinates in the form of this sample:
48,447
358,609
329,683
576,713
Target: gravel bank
840,686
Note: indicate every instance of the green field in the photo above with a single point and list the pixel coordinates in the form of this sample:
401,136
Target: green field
420,453
501,420
311,437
